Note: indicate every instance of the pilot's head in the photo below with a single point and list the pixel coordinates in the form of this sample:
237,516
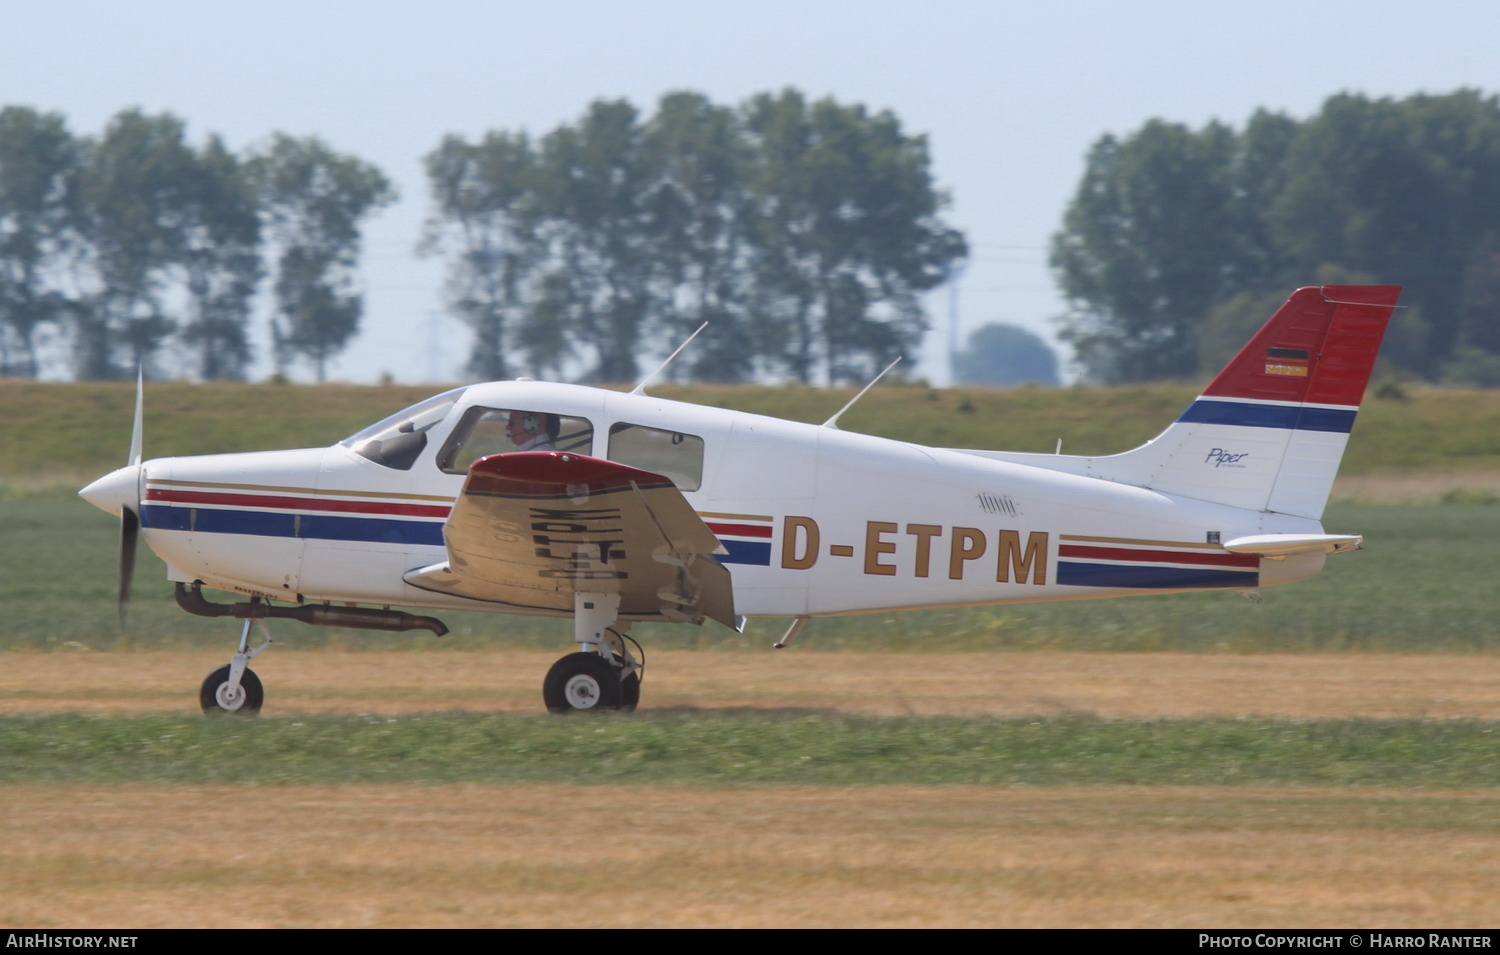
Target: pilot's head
522,426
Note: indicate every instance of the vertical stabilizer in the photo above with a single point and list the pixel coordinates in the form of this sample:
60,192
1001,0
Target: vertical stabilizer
1268,433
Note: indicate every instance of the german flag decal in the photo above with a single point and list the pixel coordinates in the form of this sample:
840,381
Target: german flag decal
1291,362
1283,368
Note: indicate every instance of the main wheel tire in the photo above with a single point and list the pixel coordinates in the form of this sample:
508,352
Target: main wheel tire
581,682
214,696
630,692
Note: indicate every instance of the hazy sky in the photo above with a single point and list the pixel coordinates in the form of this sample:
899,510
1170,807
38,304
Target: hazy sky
1010,98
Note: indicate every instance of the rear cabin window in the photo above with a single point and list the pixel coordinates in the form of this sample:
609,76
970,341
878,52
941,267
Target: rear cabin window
671,453
486,431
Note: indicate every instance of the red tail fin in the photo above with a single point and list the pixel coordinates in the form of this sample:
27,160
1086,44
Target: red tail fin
1318,348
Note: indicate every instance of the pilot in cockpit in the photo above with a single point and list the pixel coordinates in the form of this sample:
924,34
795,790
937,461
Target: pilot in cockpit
533,431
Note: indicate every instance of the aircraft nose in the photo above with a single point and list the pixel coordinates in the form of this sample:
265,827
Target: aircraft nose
116,490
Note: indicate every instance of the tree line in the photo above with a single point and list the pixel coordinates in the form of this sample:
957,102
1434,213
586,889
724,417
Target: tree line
1180,241
138,248
806,231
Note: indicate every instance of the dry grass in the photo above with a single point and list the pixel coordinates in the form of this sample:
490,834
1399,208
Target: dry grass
552,856
139,856
1422,487
1119,685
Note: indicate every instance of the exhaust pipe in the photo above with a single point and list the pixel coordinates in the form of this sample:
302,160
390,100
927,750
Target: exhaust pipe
319,615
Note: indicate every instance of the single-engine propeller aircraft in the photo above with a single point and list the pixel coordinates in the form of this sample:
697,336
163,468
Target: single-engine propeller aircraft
527,497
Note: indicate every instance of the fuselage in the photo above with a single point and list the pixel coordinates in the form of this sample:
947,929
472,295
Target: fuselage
813,520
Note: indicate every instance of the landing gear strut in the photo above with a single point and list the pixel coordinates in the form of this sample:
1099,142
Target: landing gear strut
235,688
604,674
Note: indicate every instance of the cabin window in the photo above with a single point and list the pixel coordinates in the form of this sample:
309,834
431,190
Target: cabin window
670,453
395,442
486,431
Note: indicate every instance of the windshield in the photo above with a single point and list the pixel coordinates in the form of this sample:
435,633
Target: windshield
396,441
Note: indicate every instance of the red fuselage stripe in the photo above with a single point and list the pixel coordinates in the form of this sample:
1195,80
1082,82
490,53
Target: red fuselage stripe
739,530
1159,556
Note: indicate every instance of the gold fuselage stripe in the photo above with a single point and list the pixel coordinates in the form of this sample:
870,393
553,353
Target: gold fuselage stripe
736,517
1143,543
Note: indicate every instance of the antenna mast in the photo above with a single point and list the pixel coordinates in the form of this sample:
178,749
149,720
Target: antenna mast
833,422
640,389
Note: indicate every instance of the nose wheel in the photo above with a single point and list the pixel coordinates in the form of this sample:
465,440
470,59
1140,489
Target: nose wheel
218,695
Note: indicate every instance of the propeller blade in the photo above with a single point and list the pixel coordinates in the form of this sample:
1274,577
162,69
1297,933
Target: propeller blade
130,521
135,431
130,528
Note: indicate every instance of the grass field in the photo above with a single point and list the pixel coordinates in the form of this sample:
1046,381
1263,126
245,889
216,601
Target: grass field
56,437
769,790
755,748
1421,481
1140,790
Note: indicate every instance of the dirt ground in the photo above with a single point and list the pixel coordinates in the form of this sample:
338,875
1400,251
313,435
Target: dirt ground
1127,685
141,856
556,856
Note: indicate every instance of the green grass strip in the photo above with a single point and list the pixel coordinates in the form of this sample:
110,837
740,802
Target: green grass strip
733,749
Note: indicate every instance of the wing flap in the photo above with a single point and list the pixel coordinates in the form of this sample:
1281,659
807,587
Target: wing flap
531,529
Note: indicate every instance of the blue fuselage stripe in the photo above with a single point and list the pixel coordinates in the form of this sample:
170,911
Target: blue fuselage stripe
1072,573
280,524
747,552
1208,411
328,527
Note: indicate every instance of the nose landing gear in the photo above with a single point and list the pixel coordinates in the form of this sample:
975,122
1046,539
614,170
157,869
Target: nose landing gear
235,688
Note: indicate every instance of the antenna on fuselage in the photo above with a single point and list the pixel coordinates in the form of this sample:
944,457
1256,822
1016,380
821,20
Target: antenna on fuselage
833,422
640,389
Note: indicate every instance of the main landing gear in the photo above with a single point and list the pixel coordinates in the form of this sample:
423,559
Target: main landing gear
604,674
235,688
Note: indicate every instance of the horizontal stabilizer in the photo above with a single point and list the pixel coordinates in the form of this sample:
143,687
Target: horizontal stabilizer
1285,545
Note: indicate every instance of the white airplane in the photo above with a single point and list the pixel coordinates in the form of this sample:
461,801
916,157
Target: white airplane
526,497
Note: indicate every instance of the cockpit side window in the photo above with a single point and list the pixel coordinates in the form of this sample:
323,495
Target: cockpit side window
486,431
395,442
673,454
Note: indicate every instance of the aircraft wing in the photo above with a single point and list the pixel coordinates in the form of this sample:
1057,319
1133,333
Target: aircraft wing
531,529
